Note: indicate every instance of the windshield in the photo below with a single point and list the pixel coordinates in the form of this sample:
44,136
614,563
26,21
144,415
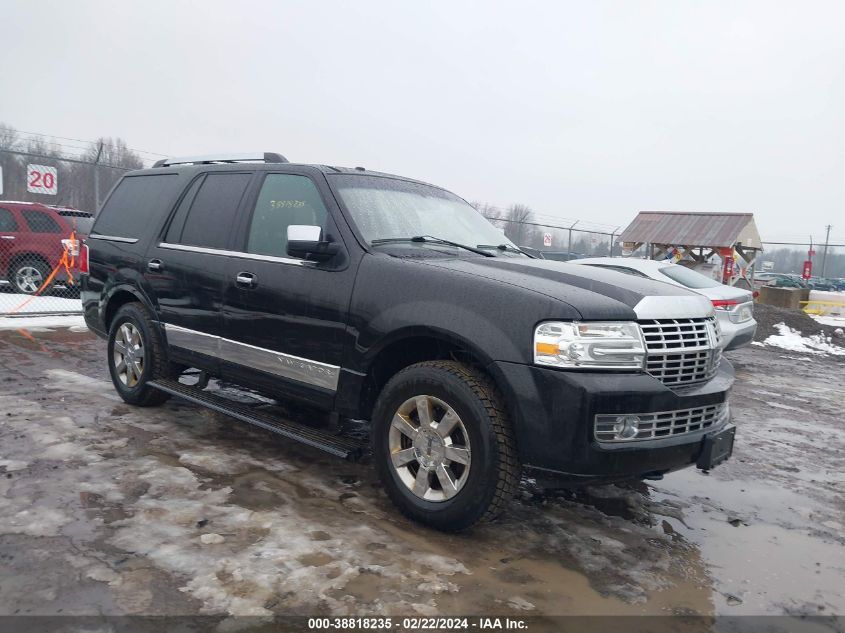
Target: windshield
385,208
689,278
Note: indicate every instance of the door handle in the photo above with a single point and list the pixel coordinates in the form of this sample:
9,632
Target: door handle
155,265
7,237
246,280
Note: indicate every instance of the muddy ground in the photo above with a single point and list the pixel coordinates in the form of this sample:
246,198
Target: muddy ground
110,509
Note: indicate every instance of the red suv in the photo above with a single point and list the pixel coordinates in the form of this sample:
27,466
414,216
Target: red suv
31,243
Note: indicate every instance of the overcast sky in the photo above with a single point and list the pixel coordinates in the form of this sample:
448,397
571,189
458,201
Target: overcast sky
586,109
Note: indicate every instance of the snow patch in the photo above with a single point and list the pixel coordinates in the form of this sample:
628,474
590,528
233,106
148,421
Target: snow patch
518,602
13,301
211,539
793,341
11,465
43,323
216,460
32,521
833,321
61,379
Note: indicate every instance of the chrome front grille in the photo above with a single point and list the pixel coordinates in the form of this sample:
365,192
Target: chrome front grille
665,423
682,351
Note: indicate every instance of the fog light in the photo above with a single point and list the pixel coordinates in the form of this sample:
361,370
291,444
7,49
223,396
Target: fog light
626,427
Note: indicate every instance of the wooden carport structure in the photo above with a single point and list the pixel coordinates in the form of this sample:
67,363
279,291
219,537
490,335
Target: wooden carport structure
697,236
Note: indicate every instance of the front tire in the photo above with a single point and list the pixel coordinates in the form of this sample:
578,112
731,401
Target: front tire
443,445
136,356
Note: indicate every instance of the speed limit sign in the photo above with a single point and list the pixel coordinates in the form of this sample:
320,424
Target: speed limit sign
42,179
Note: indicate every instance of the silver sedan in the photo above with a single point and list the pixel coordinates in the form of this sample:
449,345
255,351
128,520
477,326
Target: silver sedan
734,307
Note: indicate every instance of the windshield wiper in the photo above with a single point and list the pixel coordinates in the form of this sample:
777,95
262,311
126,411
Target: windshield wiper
430,239
503,247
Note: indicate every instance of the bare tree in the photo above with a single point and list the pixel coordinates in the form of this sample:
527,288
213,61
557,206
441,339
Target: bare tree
9,163
113,151
9,137
76,181
517,224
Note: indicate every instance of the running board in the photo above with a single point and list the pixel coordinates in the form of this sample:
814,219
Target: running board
337,445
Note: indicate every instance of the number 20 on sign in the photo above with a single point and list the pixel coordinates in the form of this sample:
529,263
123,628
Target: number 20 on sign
42,179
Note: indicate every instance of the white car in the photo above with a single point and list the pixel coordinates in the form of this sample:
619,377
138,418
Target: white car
734,306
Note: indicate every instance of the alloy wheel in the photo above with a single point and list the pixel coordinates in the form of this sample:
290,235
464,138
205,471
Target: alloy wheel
429,448
128,354
28,279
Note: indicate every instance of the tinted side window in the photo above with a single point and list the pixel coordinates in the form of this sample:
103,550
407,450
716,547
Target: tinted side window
174,231
7,221
40,222
212,215
135,207
284,200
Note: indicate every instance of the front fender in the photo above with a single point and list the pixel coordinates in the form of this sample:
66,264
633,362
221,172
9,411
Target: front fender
396,298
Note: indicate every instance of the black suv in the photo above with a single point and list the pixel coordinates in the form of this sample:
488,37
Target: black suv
375,297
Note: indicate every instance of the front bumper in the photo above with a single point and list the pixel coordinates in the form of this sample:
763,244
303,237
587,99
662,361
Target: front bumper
555,410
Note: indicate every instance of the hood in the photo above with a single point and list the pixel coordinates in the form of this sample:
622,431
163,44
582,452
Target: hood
595,293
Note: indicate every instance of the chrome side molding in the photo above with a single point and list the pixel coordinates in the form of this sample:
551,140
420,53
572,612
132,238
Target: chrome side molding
241,254
310,372
112,238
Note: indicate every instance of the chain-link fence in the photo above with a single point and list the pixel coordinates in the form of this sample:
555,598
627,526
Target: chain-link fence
564,242
47,206
558,241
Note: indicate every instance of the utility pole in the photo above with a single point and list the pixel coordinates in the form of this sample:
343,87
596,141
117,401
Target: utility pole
97,178
570,236
612,235
824,255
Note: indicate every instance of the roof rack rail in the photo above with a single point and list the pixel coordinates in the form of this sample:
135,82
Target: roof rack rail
264,157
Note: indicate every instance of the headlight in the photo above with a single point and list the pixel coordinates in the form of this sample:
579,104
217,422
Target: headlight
611,345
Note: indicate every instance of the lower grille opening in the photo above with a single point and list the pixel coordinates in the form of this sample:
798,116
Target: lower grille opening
662,424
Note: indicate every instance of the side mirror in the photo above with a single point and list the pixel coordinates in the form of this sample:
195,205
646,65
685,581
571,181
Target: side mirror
305,242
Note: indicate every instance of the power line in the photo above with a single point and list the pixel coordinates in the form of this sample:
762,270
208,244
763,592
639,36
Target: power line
553,226
557,218
800,244
60,159
54,144
79,140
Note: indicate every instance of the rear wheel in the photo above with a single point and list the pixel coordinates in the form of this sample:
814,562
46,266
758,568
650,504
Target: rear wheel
443,445
29,275
136,356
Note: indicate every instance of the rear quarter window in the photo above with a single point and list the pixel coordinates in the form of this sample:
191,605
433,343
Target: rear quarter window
136,206
40,222
689,278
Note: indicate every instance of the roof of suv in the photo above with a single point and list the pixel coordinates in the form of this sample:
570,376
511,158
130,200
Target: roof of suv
271,162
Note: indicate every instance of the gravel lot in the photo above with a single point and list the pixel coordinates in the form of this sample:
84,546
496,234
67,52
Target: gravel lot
109,509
